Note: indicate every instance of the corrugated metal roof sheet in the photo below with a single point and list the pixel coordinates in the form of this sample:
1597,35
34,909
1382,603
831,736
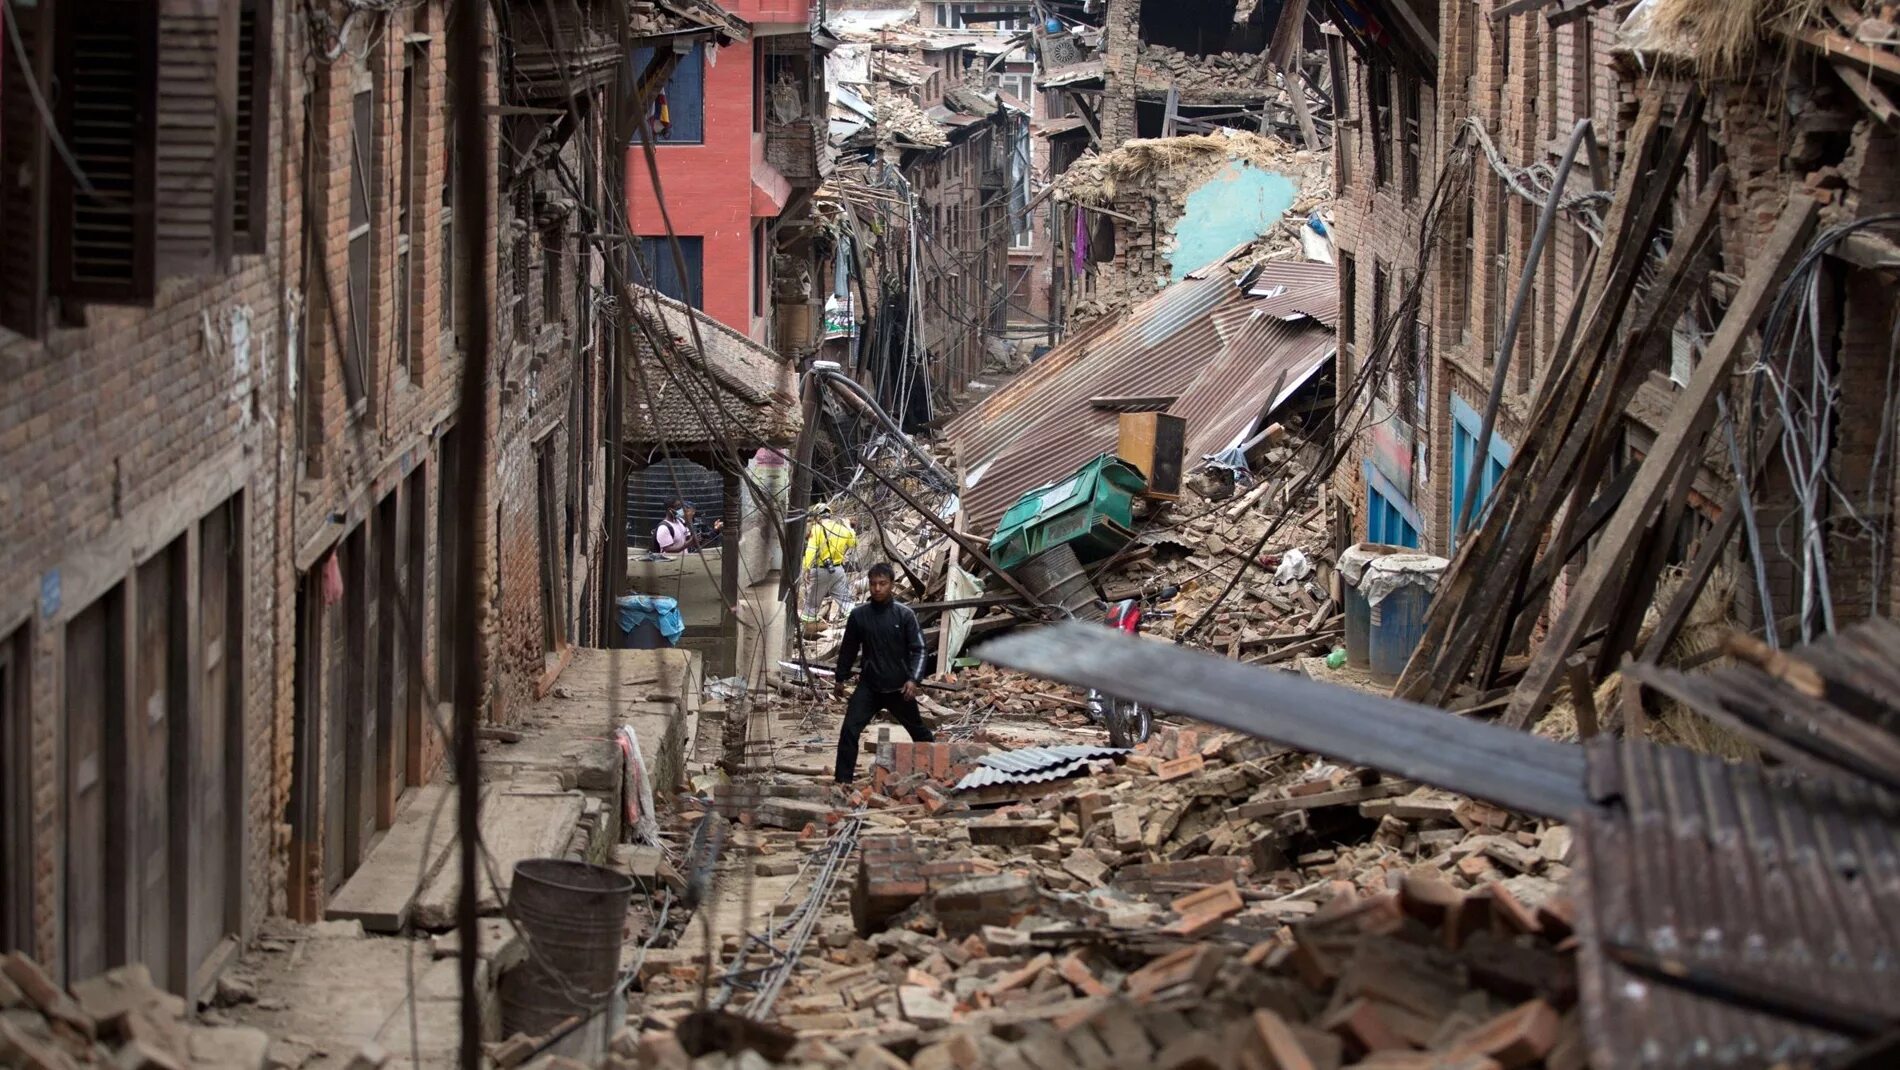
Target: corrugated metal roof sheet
1033,765
1198,339
1291,289
1737,869
1030,759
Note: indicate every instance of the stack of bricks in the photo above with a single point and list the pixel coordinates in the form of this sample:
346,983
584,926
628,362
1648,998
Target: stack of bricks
922,772
738,800
890,881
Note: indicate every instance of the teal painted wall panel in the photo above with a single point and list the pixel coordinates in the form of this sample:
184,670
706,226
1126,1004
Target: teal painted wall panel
1240,203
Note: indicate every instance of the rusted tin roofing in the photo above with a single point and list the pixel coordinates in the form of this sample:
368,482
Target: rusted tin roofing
1744,873
1199,340
1292,289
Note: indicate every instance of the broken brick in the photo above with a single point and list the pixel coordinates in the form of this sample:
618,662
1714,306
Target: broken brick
1518,1037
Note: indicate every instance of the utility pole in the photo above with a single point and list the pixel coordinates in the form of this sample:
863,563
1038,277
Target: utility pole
619,136
471,198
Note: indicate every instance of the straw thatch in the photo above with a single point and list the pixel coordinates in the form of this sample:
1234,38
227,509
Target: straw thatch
1717,36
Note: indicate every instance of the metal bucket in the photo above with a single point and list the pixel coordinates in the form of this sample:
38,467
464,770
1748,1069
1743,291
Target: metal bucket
573,915
1056,576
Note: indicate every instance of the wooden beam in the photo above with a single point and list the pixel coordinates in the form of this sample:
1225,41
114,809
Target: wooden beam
1296,96
1872,97
1834,46
1702,566
1676,445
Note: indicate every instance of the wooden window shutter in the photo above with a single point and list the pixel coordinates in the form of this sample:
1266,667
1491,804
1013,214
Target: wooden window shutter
102,232
23,177
250,179
197,89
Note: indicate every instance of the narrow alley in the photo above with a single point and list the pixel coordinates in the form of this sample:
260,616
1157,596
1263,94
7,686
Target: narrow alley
991,535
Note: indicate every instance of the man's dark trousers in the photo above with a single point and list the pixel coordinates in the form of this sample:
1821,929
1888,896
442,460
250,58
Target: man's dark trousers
865,704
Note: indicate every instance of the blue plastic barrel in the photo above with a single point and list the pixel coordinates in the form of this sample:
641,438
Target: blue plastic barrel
1398,589
1352,566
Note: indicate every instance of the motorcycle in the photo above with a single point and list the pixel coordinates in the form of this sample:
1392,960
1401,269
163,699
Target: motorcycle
1128,722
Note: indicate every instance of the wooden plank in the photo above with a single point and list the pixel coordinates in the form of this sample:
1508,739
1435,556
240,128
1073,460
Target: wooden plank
1512,769
1674,446
1302,114
1253,811
1835,46
1872,97
1599,385
1487,569
381,891
1702,566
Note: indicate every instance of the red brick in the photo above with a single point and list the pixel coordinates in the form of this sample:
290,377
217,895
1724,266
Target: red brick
1180,767
1518,1037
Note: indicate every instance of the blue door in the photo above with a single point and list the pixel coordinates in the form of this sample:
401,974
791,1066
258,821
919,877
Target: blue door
1390,518
1466,423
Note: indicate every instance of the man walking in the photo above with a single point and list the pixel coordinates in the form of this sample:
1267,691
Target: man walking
893,645
827,546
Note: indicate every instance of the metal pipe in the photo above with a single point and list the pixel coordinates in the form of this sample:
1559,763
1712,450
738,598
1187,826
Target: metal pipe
1505,344
869,404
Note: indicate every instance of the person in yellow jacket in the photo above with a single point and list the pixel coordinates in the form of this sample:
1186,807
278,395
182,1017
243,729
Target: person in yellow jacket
829,541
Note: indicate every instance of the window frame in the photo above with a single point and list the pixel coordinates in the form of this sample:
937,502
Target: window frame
254,194
360,341
412,160
1385,505
697,52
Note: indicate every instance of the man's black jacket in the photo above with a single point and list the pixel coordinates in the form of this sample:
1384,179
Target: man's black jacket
892,642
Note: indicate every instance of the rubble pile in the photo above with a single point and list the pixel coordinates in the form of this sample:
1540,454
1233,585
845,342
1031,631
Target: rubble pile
1236,74
1201,901
118,1018
1146,183
899,115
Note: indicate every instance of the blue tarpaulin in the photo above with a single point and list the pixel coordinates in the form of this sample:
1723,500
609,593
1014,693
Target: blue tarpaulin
661,611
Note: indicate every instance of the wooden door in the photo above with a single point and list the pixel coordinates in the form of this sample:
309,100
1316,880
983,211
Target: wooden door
360,602
214,741
387,683
447,554
336,729
16,799
92,936
153,710
415,565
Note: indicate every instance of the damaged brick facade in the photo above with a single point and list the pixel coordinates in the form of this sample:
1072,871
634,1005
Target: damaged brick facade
1526,84
226,488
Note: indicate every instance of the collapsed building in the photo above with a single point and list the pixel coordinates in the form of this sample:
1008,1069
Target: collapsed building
928,197
1174,140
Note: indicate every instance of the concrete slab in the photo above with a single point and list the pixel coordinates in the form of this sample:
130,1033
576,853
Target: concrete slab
332,994
380,893
516,826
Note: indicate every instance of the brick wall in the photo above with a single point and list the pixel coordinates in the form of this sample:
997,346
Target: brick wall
1527,85
118,437
121,433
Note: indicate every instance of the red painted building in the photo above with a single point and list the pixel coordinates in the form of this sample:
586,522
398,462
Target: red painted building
721,192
